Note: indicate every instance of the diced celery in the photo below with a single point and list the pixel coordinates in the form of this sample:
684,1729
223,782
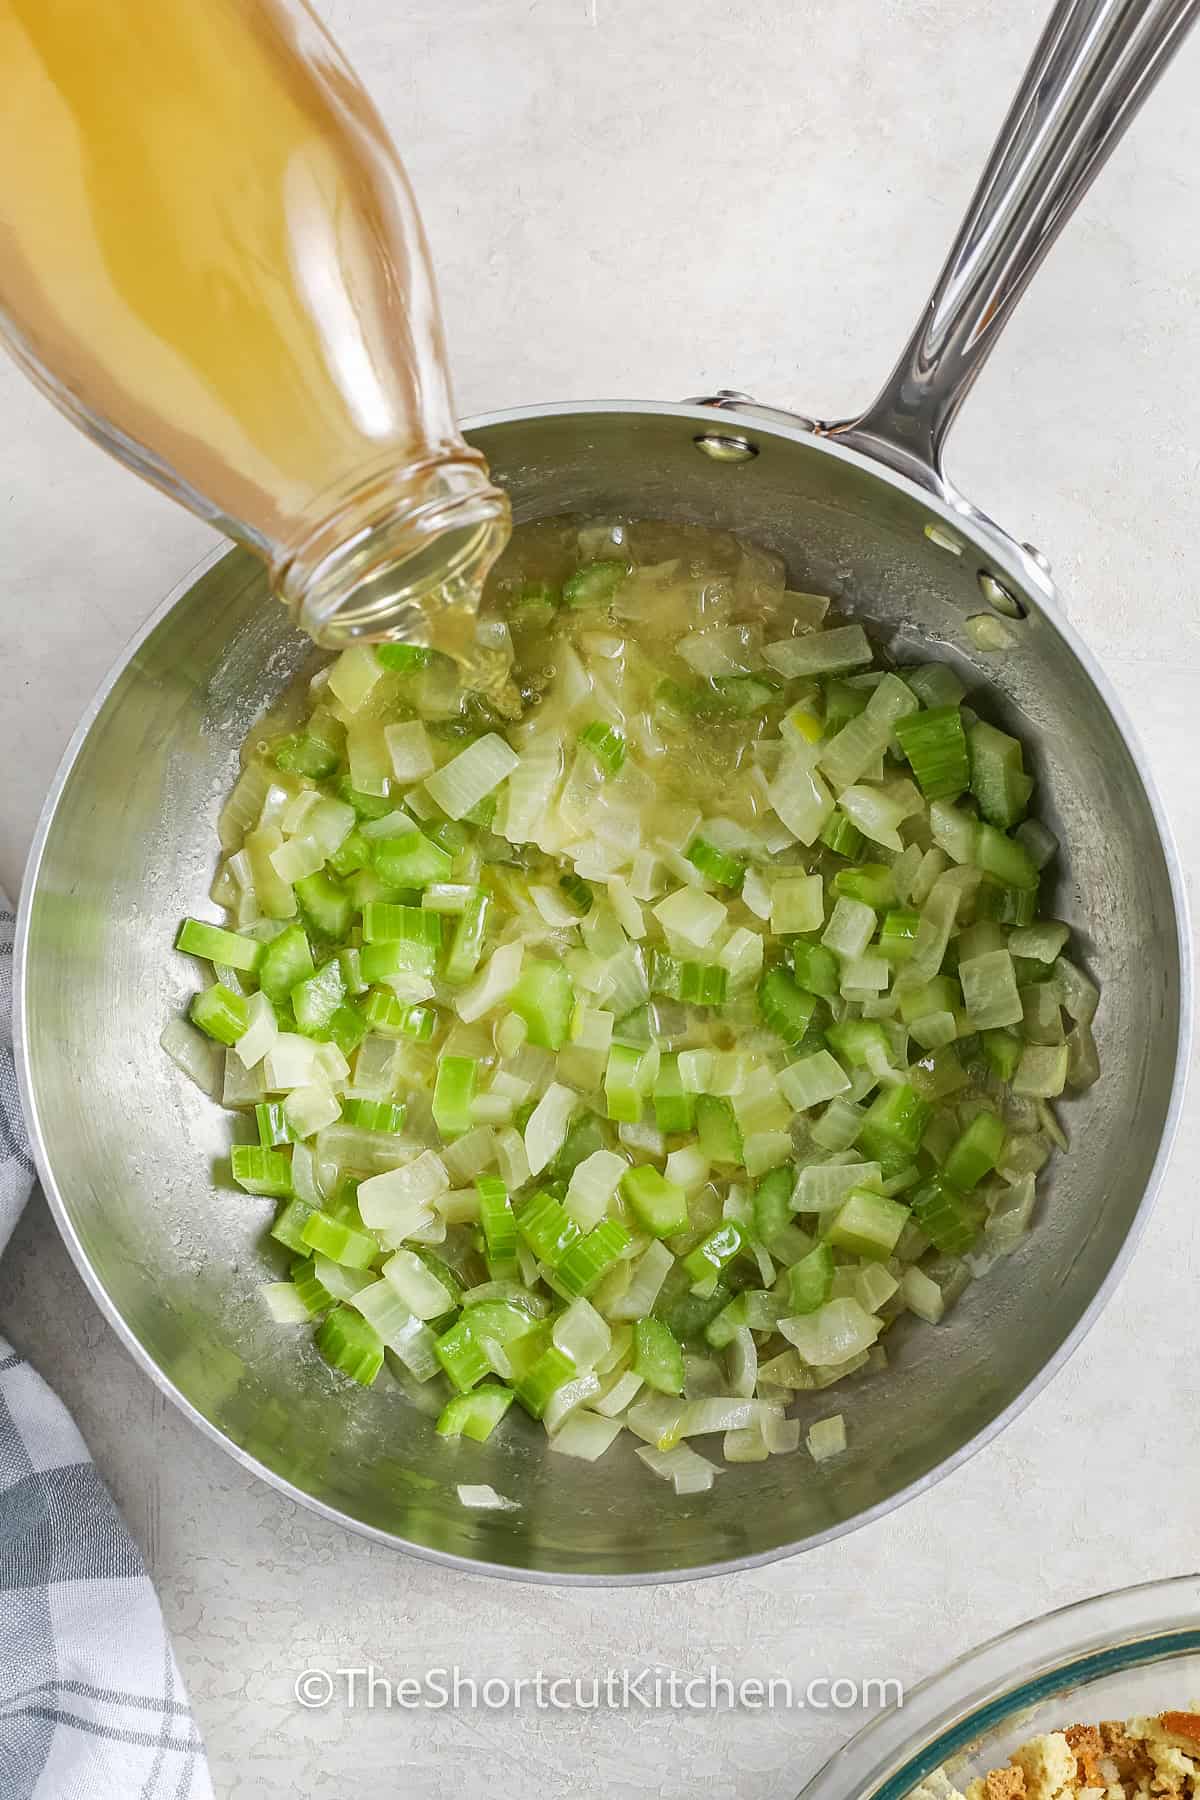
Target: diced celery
544,998
816,969
810,1280
785,1006
867,1224
475,1415
657,1356
717,1127
220,1013
659,1206
348,1343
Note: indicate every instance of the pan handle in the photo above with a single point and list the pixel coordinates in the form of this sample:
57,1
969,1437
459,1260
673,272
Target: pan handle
1095,64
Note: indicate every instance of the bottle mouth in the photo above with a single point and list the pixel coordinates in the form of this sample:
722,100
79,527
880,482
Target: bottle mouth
402,558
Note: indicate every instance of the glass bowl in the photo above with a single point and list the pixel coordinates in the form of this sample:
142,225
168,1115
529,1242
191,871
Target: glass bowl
1134,1651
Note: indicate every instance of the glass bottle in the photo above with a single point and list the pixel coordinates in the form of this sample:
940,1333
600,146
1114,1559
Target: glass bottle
211,260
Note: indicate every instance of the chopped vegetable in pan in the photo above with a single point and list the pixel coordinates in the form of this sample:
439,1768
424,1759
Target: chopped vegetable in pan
636,1049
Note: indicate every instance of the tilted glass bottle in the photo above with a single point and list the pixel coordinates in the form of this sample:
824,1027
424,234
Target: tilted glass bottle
211,260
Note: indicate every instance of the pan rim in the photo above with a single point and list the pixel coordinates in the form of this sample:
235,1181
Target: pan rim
1028,574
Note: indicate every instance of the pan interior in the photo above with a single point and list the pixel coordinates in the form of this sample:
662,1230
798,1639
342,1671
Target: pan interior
129,849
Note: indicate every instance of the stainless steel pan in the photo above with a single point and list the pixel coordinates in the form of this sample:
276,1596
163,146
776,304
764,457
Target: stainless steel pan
861,509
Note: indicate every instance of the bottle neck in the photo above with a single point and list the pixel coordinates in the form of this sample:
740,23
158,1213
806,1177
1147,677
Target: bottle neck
402,556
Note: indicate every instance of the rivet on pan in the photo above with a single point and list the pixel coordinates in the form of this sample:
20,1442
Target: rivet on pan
726,446
943,537
1002,598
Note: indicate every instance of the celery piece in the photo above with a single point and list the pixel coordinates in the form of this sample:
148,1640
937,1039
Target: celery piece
391,1018
870,882
348,1343
466,945
475,1415
374,1115
703,984
404,659
773,1203
535,1387
867,1224
606,744
935,684
659,1205
547,1228
689,1315
1004,859
594,583
998,779
411,861
350,964
326,905
346,1028
384,922
577,892
453,1093
674,1107
401,956
258,1170
976,1152
623,1078
461,1356
657,1356
589,1258
197,938
1006,905
717,1127
751,1309
854,1042
290,1221
1002,1052
842,703
816,969
273,1128
718,865
938,1074
301,754
366,806
534,603
351,855
785,1005
810,1281
898,934
220,1013
585,1135
893,1127
311,1291
340,1242
498,1222
286,961
842,836
712,1253
315,1000
935,746
545,999
950,1220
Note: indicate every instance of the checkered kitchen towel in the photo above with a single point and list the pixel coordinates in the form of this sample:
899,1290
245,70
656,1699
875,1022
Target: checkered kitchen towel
91,1703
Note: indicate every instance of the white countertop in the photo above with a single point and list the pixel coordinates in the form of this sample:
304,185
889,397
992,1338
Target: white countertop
652,199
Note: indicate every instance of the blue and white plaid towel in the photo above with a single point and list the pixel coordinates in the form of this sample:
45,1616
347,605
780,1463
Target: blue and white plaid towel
91,1703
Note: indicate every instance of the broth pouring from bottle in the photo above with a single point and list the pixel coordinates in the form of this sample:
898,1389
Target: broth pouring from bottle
213,263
